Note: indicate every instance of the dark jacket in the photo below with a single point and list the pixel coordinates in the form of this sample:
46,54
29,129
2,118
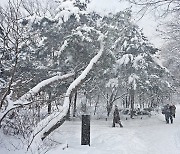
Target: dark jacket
172,109
116,115
166,109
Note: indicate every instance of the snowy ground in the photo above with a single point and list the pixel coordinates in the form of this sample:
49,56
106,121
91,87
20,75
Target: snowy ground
139,136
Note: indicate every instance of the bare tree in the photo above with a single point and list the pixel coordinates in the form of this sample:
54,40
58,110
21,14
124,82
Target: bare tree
160,7
13,36
41,8
171,49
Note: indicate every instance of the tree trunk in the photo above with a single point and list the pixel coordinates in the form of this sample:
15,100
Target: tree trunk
132,102
49,103
7,92
75,97
69,110
75,101
39,112
127,103
96,105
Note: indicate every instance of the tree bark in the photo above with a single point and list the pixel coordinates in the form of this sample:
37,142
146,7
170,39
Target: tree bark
132,102
49,102
75,101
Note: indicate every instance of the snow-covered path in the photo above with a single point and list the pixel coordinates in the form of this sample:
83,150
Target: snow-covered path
139,136
150,135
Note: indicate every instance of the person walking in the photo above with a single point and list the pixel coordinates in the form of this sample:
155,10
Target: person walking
167,113
116,117
172,110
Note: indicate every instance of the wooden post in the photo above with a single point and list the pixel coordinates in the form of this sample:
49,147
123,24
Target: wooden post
85,134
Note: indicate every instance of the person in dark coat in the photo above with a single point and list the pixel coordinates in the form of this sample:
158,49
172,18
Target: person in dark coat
168,114
116,117
172,110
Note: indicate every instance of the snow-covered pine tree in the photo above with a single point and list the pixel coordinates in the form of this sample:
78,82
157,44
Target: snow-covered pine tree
136,66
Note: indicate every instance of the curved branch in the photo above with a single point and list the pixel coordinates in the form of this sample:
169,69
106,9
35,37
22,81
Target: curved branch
22,101
52,122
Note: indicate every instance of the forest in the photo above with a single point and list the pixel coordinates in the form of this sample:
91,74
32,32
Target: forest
58,61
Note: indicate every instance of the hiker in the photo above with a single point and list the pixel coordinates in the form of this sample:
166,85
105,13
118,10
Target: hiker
167,113
116,117
172,110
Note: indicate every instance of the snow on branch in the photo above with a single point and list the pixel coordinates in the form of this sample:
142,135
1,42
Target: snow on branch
46,82
66,9
55,120
132,80
158,62
125,59
23,100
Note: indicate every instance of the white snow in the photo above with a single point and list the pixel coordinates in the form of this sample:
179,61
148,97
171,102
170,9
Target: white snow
132,80
43,83
112,83
105,7
62,48
150,135
66,9
125,59
159,62
139,61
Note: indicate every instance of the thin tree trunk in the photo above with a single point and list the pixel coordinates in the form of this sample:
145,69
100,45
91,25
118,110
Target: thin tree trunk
39,112
127,104
75,102
49,103
10,84
69,110
132,102
95,108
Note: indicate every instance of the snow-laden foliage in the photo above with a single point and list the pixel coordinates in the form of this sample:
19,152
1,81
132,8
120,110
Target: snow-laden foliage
133,54
132,80
125,59
112,83
170,50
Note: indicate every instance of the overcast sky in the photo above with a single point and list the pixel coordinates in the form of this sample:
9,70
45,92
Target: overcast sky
148,22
